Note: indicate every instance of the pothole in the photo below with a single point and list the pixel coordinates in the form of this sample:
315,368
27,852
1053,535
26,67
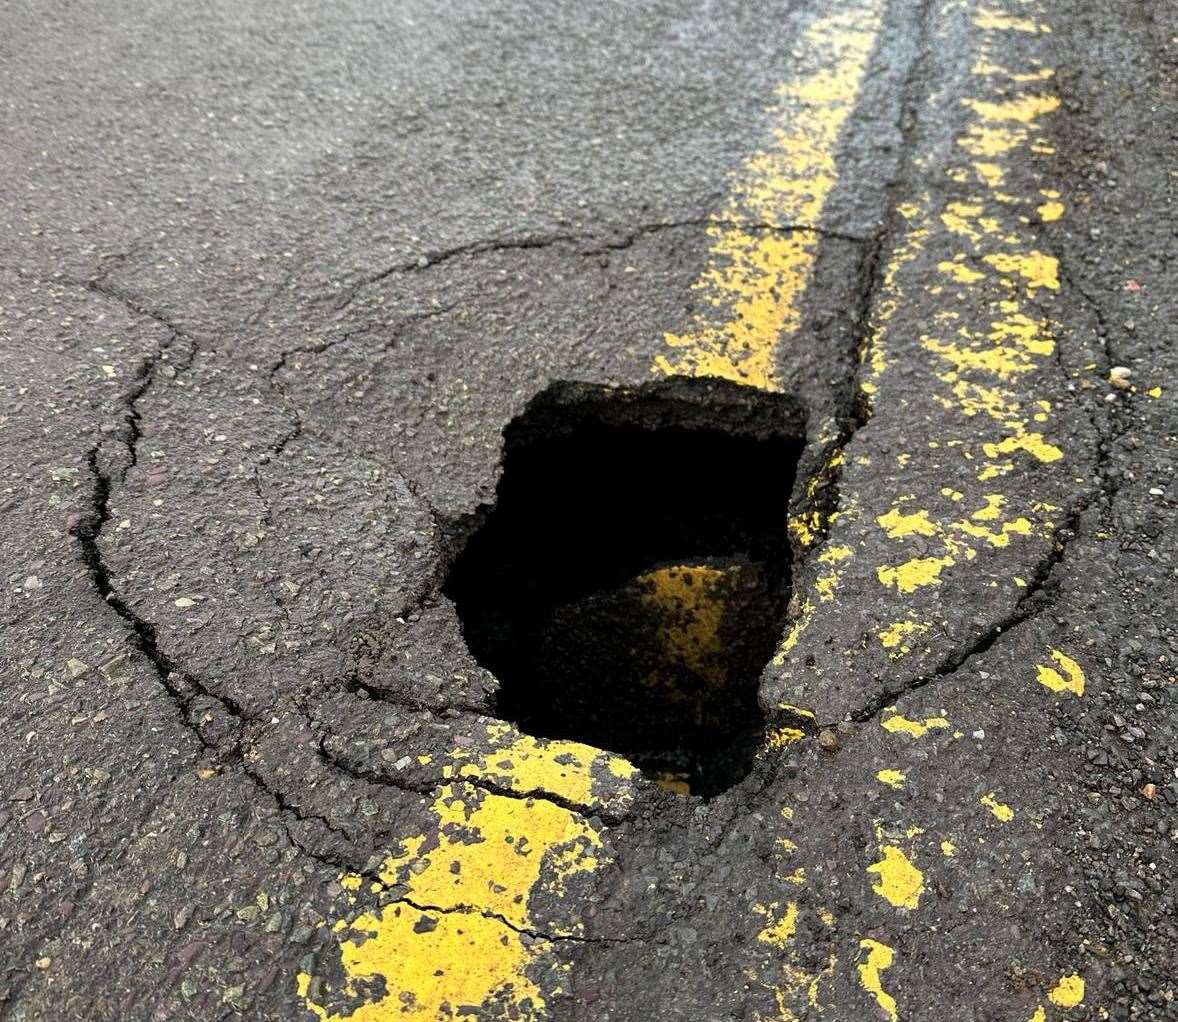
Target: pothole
630,583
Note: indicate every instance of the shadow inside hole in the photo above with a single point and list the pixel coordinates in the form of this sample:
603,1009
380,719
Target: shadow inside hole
630,583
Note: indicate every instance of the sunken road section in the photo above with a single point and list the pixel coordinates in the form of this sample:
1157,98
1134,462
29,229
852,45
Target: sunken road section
631,581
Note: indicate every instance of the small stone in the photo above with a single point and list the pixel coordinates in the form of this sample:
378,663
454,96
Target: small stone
1118,376
180,919
828,741
23,794
44,963
1149,791
77,668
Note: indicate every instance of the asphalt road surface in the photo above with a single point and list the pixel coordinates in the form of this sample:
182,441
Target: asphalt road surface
304,719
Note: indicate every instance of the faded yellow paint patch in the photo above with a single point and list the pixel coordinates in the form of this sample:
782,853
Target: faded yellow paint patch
1068,992
892,778
990,19
915,728
1039,1016
764,241
1000,810
948,849
1025,109
1072,679
900,882
879,958
780,926
895,637
1050,211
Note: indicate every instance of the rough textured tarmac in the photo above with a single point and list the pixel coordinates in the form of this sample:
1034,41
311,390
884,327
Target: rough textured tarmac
274,280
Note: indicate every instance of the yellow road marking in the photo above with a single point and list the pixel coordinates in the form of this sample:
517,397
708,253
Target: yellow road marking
764,240
455,937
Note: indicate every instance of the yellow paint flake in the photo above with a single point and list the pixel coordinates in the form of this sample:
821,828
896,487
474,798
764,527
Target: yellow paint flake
879,958
1035,268
783,736
1032,443
755,275
1039,1016
895,636
1154,392
892,778
1024,109
1049,212
989,19
834,554
915,728
779,927
960,272
900,882
1068,992
1072,679
914,574
897,525
1001,811
948,849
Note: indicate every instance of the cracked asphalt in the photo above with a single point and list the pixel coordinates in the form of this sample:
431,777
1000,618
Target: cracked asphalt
275,278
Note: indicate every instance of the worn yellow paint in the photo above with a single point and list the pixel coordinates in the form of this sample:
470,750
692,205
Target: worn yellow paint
488,854
572,771
895,637
465,959
916,728
948,849
1050,211
1039,1016
1000,810
1154,392
1072,679
900,882
879,958
892,778
1068,992
765,240
780,926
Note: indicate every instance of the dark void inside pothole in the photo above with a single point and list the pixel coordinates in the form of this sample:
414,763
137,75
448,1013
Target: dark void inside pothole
630,583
